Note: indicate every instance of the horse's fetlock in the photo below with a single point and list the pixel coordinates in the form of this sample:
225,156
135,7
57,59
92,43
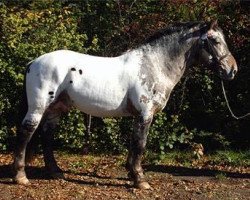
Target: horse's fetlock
137,173
139,177
19,166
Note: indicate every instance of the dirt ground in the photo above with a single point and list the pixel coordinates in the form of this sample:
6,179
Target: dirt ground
104,177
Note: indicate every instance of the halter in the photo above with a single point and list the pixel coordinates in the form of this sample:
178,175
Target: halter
208,48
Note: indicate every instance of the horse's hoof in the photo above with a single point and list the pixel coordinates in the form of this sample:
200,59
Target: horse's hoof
143,185
22,181
57,175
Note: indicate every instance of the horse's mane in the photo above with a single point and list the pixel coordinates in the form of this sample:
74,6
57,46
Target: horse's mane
174,28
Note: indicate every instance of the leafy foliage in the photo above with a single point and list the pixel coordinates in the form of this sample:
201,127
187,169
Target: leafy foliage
196,110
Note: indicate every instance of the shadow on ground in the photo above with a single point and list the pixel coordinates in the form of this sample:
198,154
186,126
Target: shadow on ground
6,173
39,173
185,171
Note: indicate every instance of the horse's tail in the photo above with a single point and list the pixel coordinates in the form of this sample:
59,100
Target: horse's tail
23,109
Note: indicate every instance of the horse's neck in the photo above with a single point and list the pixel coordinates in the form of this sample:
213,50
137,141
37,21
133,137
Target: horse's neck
171,57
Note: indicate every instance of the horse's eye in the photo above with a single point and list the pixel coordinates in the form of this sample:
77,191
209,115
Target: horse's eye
216,41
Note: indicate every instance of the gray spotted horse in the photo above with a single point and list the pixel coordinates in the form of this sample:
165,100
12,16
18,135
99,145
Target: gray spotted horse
137,83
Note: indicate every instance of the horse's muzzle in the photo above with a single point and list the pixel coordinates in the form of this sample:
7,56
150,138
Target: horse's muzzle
228,69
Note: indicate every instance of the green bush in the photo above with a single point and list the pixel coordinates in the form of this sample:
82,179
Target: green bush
27,33
196,110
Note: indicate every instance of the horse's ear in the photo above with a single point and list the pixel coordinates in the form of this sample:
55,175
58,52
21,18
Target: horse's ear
214,25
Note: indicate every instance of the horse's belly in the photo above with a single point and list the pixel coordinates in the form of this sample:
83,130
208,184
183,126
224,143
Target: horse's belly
100,103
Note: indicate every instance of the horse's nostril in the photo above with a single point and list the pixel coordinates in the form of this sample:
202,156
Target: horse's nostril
234,72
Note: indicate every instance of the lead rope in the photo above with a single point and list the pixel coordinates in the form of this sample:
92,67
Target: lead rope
229,108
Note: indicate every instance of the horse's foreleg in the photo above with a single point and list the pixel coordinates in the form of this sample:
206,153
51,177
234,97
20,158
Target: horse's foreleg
24,135
47,135
138,144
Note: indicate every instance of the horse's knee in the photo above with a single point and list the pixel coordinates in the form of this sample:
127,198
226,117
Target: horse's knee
138,144
32,119
29,126
26,131
24,135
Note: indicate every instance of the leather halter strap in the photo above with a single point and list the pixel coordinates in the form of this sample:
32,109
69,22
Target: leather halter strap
208,47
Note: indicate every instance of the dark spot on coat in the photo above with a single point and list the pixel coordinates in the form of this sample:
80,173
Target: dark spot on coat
80,71
73,69
28,70
52,97
144,99
71,81
51,93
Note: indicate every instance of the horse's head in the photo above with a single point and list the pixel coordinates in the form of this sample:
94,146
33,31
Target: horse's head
215,52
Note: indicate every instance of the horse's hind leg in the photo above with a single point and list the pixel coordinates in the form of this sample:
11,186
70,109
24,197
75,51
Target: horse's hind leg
49,124
24,134
48,127
137,148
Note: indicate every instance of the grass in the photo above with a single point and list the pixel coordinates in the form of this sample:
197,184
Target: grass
187,158
177,156
220,161
232,158
172,158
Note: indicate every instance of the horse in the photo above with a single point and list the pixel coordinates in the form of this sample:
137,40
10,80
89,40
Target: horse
137,83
